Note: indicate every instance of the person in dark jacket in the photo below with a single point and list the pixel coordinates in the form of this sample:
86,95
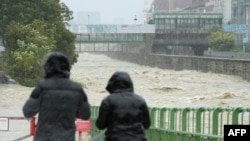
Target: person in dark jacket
123,114
57,100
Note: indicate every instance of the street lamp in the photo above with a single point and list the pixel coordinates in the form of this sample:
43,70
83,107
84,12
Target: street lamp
88,19
135,19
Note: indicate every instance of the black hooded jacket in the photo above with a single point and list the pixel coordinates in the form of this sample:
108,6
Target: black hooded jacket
58,101
123,113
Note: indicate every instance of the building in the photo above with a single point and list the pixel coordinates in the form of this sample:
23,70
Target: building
217,6
224,6
183,33
239,11
235,15
147,11
248,20
163,5
183,20
240,19
197,6
170,5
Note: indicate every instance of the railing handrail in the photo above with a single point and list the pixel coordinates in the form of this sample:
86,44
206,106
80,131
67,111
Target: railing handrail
202,122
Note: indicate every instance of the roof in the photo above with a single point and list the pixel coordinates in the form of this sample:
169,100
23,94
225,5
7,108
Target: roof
197,3
163,4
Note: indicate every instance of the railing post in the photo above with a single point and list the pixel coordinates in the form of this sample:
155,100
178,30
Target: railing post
152,117
185,119
198,119
162,120
172,118
236,112
80,136
215,127
32,126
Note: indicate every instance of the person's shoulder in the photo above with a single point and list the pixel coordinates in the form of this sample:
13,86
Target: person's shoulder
75,84
139,97
108,98
41,83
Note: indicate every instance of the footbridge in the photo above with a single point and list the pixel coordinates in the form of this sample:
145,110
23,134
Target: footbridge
102,42
94,38
167,43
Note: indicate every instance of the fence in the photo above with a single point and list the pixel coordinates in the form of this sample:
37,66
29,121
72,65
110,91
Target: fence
9,124
81,127
177,124
185,124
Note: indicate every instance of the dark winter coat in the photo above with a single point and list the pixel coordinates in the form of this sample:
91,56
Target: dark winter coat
123,113
58,101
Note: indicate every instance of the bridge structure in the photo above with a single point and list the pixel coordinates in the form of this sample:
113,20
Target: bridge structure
171,33
101,42
171,42
111,37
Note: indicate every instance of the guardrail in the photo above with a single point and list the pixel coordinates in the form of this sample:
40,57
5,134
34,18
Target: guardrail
171,124
81,126
186,124
4,125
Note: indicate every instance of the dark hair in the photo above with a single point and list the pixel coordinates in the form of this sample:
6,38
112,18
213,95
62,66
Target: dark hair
56,64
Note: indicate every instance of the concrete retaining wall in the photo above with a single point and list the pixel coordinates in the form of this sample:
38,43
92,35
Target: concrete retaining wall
228,66
215,65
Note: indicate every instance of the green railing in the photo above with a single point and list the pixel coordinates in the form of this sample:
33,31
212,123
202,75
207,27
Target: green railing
185,124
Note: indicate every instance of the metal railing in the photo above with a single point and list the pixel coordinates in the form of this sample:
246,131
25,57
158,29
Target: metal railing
4,126
177,124
185,124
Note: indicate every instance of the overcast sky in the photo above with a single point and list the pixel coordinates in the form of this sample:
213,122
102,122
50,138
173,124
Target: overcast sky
110,9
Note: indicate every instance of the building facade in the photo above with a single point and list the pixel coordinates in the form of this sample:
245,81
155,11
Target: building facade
183,33
223,6
240,18
163,5
189,21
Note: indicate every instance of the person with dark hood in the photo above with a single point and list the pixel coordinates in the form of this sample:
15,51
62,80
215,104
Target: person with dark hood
124,114
57,100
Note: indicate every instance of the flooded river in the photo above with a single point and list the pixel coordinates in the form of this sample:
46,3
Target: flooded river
160,88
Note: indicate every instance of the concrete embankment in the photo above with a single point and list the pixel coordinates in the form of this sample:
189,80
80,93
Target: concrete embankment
236,67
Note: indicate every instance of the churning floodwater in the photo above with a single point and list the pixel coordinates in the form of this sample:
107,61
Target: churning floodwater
162,88
159,87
